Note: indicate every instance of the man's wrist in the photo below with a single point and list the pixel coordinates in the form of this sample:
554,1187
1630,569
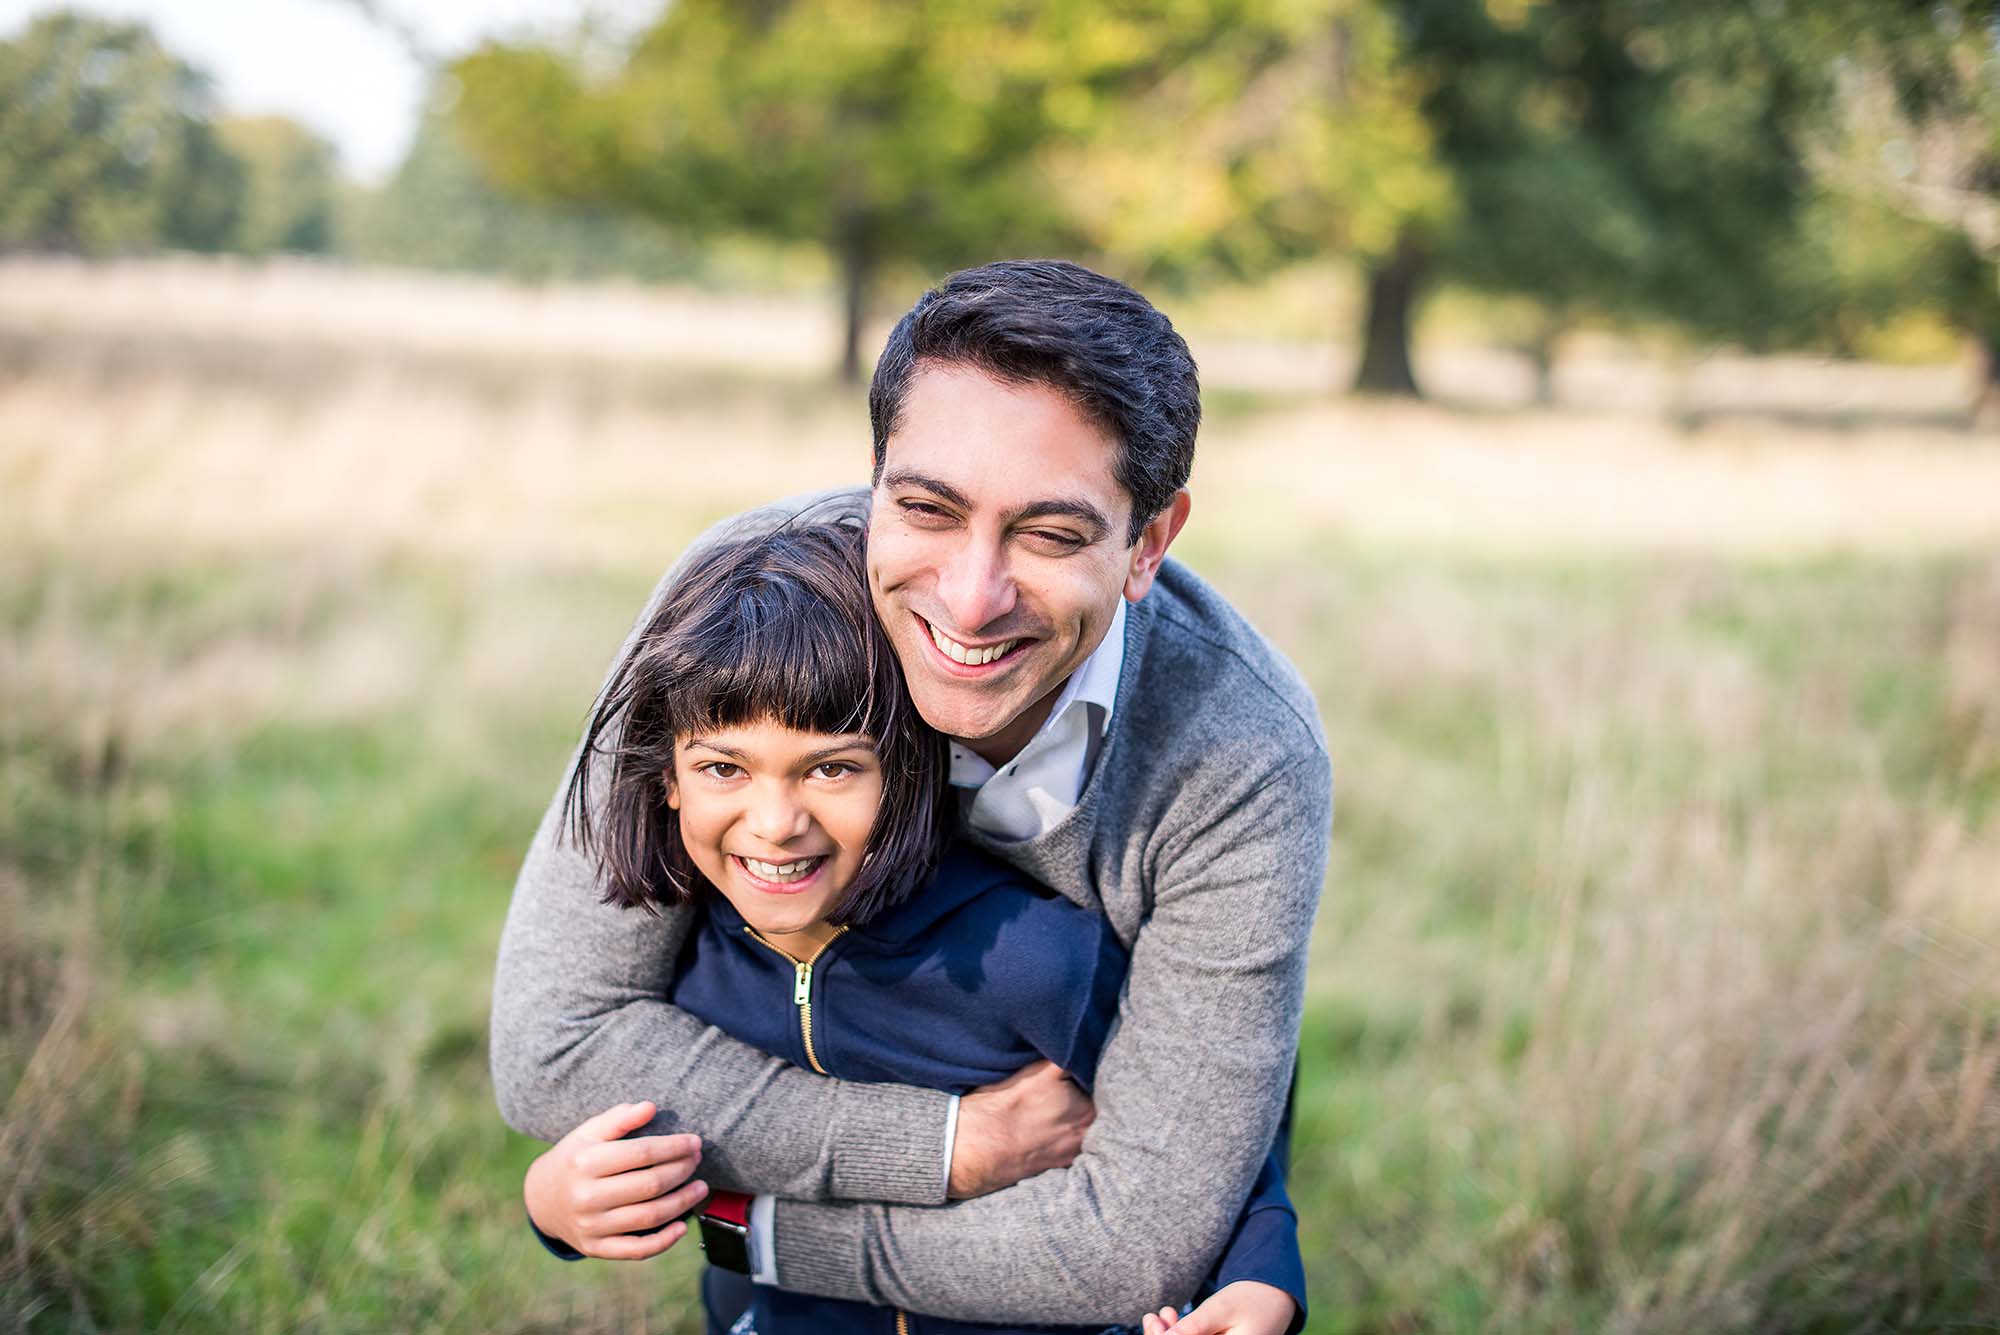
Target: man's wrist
887,1143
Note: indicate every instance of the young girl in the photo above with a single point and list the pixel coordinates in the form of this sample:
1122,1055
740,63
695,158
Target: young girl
765,761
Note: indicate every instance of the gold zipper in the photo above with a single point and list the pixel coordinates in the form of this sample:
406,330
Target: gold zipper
802,970
902,1323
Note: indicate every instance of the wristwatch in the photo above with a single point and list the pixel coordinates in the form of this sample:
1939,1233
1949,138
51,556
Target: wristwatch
725,1230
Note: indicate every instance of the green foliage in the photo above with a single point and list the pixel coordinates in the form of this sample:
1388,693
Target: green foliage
291,185
1296,133
440,211
105,144
1624,160
884,132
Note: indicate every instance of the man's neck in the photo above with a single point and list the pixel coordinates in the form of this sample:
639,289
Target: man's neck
1004,745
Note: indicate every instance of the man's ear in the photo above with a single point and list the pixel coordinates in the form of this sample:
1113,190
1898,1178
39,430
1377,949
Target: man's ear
1151,548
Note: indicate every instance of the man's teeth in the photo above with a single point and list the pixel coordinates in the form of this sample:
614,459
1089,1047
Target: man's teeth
970,657
780,871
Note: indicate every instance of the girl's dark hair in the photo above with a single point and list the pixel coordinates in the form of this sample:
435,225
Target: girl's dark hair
775,627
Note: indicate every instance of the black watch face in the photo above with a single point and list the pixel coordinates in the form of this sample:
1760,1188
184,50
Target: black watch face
727,1244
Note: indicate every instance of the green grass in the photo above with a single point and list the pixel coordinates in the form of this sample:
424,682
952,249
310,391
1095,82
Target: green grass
1651,989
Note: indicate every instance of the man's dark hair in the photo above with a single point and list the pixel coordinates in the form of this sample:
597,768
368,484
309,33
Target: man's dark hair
1059,324
777,627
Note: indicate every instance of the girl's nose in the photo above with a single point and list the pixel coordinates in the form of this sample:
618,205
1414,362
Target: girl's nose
777,816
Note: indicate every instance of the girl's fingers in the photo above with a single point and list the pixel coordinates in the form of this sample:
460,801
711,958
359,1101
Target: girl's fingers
622,1156
624,1248
1152,1324
615,1122
654,1211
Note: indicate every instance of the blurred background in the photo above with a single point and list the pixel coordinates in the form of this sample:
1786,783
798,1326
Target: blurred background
1600,408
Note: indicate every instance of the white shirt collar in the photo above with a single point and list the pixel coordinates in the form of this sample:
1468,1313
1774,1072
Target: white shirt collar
1094,683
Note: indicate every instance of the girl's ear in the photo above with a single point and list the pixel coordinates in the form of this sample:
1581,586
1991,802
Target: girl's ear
673,793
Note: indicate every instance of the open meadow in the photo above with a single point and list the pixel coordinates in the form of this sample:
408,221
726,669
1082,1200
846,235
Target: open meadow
1656,985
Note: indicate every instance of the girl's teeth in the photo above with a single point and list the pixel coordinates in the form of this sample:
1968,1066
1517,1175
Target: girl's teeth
958,653
780,871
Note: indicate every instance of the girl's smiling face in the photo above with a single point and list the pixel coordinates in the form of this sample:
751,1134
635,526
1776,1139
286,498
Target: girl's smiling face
778,820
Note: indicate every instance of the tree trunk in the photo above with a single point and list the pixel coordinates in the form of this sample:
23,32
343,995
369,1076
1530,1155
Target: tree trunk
1393,286
1542,356
857,273
1986,398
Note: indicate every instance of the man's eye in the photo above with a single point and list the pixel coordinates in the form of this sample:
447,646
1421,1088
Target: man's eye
1054,539
925,512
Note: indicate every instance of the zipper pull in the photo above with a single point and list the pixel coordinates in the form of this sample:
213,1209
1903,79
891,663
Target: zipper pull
802,990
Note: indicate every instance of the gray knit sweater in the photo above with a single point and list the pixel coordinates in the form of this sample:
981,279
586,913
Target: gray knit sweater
1201,834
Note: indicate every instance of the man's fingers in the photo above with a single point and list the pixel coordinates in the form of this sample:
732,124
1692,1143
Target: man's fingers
615,1122
622,1156
623,1248
655,1211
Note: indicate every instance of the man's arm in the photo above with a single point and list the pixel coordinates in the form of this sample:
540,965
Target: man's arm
1189,1091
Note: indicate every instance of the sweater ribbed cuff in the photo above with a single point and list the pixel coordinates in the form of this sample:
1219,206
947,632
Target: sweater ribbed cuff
819,1250
888,1144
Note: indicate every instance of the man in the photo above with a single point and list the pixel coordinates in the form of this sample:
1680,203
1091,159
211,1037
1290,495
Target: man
1122,735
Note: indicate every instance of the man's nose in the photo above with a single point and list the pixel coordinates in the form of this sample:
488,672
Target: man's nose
776,815
976,587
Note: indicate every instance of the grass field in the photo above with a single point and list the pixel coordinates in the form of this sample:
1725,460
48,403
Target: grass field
1654,987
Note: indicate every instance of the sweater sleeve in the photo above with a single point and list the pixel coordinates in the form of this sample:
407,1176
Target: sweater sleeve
579,1024
1265,1244
1189,1091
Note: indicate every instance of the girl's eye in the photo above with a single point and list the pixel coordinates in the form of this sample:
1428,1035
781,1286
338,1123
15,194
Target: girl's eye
721,769
835,769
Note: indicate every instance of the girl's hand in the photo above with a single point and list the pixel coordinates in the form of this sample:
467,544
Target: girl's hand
1243,1308
591,1188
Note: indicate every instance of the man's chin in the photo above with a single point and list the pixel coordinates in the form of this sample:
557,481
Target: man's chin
970,720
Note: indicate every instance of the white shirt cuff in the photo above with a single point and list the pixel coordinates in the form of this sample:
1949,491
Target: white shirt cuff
950,1138
763,1253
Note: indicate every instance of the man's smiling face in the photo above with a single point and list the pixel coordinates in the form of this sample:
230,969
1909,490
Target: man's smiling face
997,550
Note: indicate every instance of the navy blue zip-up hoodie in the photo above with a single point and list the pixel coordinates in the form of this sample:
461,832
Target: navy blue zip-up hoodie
973,977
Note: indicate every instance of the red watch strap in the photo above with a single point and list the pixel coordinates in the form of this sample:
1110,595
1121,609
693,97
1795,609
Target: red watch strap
731,1206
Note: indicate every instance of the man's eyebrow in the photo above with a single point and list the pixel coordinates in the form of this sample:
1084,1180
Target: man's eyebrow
1082,511
944,491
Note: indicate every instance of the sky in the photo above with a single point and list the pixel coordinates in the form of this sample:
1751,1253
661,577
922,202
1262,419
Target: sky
323,62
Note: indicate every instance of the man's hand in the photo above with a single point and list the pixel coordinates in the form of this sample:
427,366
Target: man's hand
1243,1308
591,1188
1030,1122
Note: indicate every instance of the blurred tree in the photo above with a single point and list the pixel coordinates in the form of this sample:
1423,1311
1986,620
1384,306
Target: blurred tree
105,143
1612,158
291,183
439,211
1620,158
1917,136
1297,130
886,131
